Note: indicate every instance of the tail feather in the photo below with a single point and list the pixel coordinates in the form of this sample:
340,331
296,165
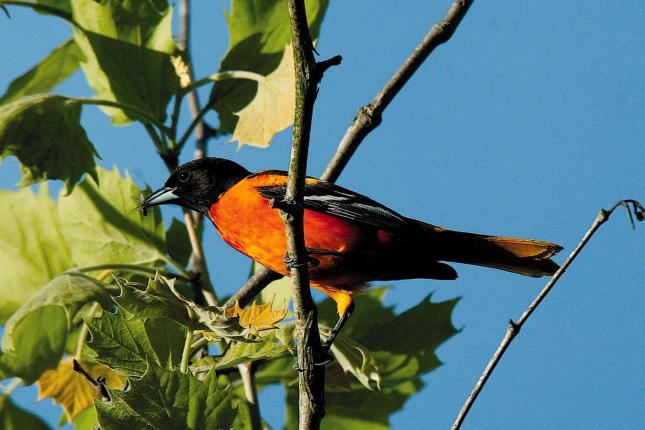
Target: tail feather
524,256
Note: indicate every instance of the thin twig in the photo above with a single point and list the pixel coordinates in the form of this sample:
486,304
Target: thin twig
438,34
515,326
369,116
253,286
250,390
308,73
201,134
197,261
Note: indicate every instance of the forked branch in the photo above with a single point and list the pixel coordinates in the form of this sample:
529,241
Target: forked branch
438,34
308,74
514,327
369,116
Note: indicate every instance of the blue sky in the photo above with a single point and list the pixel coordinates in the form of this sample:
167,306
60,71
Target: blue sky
526,123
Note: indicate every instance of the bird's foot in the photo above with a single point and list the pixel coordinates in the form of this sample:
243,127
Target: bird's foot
324,359
293,263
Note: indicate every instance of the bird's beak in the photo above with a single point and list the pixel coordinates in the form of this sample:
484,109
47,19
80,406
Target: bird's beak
160,197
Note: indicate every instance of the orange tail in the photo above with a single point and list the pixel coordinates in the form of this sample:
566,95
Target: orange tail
523,256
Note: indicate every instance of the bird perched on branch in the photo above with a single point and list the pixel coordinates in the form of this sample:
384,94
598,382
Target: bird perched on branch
350,239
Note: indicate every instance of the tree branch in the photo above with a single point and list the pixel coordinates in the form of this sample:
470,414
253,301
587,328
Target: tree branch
308,73
438,34
194,220
250,391
515,326
253,286
201,134
369,116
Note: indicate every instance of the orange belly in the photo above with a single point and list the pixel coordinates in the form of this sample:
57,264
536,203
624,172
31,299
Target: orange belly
245,221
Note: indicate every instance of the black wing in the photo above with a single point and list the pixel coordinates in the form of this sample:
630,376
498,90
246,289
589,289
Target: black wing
331,199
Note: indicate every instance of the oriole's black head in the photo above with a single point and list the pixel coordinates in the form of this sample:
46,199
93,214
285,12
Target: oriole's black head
197,184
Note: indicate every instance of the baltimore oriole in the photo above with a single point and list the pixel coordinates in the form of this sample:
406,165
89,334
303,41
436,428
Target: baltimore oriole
351,239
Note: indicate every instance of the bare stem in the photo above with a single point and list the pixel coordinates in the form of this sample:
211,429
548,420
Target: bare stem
253,287
364,121
369,116
198,261
248,379
201,133
311,405
515,326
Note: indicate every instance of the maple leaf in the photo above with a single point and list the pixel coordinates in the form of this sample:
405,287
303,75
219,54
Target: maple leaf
273,107
257,317
71,390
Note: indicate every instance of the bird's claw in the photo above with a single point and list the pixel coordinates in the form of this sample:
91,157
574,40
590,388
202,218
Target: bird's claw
292,263
325,359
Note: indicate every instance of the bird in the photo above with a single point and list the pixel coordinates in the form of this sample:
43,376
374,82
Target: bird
350,239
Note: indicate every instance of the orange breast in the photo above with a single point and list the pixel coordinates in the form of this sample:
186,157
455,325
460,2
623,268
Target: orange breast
245,221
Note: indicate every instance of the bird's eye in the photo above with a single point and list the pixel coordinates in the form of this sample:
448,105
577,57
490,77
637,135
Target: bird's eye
184,175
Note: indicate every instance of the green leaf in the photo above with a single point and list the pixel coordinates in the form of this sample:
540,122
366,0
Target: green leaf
44,132
128,345
366,409
14,418
44,76
98,220
169,400
401,347
161,300
86,420
127,48
71,292
156,300
63,5
357,360
178,242
278,292
414,335
33,249
275,343
37,341
259,32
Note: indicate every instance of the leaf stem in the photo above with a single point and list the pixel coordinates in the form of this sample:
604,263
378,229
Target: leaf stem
198,344
195,123
515,326
186,354
222,76
156,140
85,330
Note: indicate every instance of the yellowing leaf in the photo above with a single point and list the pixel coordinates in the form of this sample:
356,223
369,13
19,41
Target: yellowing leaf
257,317
71,390
273,107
